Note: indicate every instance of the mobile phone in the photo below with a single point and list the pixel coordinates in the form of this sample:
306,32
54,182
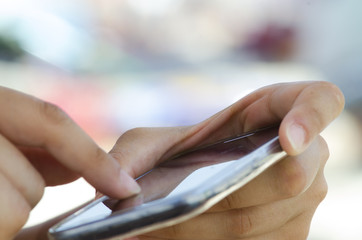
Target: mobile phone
177,189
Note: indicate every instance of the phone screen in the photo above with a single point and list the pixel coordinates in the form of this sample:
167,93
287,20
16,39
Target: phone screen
175,187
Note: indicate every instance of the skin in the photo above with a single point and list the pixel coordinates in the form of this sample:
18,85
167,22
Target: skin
40,145
279,204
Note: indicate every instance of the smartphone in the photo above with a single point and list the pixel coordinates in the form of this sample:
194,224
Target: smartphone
176,190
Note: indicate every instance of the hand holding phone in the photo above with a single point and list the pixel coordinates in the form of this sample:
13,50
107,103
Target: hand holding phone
178,189
298,181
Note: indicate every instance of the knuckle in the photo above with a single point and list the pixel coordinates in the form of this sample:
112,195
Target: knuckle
318,122
301,234
14,208
323,191
99,158
176,230
10,225
22,214
52,113
320,189
34,193
171,232
335,92
98,163
323,150
38,193
292,179
298,228
134,132
229,202
239,224
331,97
130,136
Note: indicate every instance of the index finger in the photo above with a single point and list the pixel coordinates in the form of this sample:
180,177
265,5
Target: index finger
29,121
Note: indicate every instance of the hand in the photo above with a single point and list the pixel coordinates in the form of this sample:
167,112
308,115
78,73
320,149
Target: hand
280,203
40,145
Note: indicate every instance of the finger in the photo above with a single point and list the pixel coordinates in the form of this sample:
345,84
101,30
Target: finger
234,224
140,149
288,178
313,110
296,229
20,173
305,109
41,231
35,123
251,222
14,209
53,172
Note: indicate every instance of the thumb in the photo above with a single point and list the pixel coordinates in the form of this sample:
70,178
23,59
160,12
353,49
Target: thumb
139,150
313,110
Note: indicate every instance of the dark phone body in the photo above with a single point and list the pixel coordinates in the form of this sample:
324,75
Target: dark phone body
177,189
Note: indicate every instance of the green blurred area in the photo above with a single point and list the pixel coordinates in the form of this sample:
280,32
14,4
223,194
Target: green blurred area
10,48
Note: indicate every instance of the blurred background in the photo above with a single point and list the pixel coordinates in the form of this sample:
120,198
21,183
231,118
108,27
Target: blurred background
115,65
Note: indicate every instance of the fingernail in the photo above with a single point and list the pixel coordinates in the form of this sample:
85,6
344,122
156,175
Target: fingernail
296,135
129,183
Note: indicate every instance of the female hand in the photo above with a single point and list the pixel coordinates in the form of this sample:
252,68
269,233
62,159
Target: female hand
280,203
40,145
